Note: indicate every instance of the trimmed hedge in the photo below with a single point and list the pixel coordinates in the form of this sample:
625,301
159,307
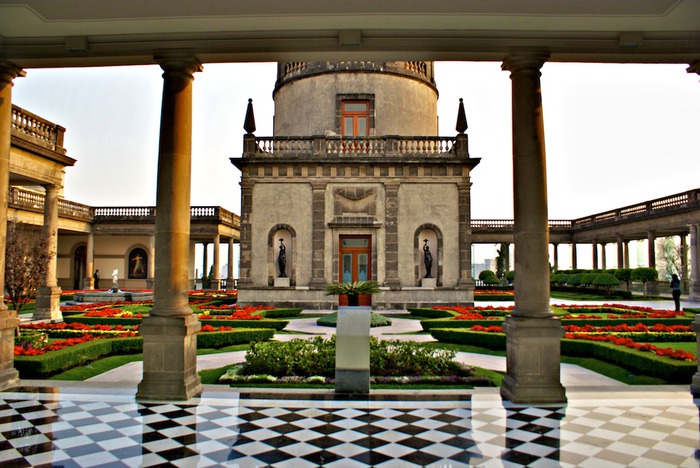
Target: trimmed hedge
431,313
671,370
280,312
45,365
429,325
274,324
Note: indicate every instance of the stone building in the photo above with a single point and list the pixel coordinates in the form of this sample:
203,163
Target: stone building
355,185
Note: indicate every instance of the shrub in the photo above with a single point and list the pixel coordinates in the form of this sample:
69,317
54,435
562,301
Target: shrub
488,277
431,313
605,281
624,274
644,274
331,320
510,276
587,278
279,313
574,280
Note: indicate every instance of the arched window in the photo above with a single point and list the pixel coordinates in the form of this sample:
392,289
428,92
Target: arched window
138,264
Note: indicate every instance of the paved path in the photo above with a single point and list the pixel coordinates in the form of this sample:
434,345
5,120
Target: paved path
305,328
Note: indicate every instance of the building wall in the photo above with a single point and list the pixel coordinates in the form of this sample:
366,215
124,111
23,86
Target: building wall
403,106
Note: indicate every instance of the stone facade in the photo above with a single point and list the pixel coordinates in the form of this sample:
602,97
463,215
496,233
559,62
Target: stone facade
355,206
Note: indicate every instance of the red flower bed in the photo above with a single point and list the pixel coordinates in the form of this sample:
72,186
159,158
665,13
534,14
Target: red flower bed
58,344
629,343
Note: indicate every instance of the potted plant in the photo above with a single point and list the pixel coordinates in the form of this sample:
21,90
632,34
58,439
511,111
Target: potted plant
352,290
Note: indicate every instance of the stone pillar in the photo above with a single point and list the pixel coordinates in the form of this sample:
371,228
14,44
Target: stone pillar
89,281
694,287
48,296
465,281
620,253
205,263
651,250
532,331
230,280
216,277
318,235
556,257
684,256
574,256
170,331
151,261
603,257
391,233
245,260
9,321
595,255
626,250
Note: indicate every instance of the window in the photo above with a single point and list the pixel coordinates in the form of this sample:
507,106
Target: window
355,118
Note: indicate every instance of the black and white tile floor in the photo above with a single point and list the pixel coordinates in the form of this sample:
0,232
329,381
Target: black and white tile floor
78,427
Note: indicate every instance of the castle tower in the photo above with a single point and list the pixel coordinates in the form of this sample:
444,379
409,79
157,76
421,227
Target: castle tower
355,185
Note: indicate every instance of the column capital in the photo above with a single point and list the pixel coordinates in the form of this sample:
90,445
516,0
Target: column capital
178,62
517,62
9,71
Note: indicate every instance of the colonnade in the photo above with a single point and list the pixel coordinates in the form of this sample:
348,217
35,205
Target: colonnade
216,280
169,333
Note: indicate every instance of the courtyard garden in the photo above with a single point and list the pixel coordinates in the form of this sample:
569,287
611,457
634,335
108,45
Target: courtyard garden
636,341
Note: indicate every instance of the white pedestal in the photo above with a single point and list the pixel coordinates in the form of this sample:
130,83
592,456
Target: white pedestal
352,350
428,283
282,282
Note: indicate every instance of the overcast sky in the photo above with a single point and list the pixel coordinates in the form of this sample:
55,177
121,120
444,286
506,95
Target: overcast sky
615,134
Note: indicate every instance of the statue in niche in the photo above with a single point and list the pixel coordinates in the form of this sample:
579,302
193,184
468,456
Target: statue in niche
427,259
115,281
282,259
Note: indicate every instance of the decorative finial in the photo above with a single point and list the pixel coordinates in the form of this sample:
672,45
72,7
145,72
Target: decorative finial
249,124
461,118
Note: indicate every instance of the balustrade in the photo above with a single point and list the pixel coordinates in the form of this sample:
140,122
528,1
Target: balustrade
40,131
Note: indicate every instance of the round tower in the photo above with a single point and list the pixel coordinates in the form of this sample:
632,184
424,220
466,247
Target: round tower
355,99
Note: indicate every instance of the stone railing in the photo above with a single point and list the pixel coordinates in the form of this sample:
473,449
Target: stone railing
660,206
508,224
40,131
22,199
320,146
119,212
216,214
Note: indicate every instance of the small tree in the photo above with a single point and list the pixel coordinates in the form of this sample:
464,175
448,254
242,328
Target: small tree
605,281
644,275
26,262
624,274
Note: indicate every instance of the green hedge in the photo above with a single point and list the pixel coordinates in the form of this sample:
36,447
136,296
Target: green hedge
279,313
102,320
494,297
45,365
643,362
431,313
428,325
273,324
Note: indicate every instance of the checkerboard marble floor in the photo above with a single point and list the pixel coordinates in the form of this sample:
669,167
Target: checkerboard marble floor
78,427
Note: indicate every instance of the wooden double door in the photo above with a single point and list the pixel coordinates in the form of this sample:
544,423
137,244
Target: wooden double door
355,257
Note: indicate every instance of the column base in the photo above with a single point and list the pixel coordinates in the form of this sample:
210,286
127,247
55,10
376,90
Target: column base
9,321
48,304
169,358
533,360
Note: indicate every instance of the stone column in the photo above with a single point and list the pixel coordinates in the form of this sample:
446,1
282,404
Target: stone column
391,233
205,264
603,256
245,260
318,235
574,256
466,282
694,287
595,255
620,252
684,256
556,257
626,250
9,321
216,277
89,281
151,261
48,296
533,332
651,250
170,331
230,280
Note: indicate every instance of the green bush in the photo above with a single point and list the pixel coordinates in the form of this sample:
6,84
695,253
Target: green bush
587,278
488,277
229,338
510,276
281,312
495,341
273,324
431,313
644,274
574,280
331,320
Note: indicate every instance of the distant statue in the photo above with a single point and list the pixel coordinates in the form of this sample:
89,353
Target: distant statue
96,277
282,259
115,280
138,269
427,259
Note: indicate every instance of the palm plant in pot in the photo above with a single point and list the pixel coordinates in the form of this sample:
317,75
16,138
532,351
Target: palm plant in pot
352,290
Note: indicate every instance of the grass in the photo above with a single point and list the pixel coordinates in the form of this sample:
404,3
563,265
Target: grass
97,367
688,347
